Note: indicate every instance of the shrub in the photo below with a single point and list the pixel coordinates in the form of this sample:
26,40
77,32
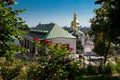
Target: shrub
83,71
101,68
118,68
47,71
8,73
73,69
101,77
118,65
92,70
51,66
109,69
32,73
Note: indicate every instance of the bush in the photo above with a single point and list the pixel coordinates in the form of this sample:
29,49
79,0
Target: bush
73,69
97,78
101,68
92,70
83,71
118,66
10,73
109,69
32,73
47,71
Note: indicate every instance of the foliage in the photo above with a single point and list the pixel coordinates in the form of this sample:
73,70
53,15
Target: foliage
118,51
79,45
9,71
83,71
9,23
109,69
101,77
9,74
118,69
25,27
74,69
112,7
52,61
101,68
118,65
105,26
92,70
56,67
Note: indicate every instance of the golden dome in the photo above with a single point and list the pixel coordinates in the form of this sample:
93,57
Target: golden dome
75,23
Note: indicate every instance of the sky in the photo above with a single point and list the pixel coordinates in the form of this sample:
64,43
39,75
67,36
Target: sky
56,11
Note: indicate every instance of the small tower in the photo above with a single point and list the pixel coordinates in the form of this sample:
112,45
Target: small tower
75,23
75,31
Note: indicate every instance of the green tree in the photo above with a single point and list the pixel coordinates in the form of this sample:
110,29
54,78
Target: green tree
113,8
105,26
9,23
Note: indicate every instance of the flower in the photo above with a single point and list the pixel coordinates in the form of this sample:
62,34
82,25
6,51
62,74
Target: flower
10,2
36,39
71,49
47,42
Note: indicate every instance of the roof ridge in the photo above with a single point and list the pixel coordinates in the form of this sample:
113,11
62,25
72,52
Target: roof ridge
52,30
58,31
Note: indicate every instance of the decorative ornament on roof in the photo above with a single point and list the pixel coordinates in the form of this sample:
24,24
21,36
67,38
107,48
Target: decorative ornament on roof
75,23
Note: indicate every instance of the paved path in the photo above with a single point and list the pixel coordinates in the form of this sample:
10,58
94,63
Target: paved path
90,56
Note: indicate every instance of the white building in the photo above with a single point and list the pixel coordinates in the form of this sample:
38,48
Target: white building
52,32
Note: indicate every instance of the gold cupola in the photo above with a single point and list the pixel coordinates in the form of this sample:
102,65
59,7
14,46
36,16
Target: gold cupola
75,23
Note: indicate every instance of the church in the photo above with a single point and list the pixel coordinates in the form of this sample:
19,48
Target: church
75,29
52,32
56,34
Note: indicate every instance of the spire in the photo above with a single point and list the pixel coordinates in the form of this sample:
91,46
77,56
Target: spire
75,23
75,16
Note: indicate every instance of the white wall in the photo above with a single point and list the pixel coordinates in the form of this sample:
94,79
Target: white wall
17,42
71,42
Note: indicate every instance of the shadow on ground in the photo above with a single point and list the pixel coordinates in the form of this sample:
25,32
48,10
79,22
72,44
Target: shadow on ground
98,78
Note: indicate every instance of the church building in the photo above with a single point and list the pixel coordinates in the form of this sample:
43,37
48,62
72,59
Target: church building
75,31
52,32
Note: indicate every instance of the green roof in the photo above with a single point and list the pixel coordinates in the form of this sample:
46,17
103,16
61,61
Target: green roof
49,31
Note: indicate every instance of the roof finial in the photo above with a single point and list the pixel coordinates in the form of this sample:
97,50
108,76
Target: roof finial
75,23
75,16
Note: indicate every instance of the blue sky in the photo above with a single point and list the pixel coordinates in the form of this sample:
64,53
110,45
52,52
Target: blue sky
56,11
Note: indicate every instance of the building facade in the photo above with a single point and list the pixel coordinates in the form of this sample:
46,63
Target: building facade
52,32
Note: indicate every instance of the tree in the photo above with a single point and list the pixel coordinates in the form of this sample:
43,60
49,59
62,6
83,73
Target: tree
9,21
105,26
113,9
